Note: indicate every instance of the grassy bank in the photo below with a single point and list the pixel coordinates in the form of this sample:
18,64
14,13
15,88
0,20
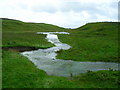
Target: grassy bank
19,72
92,42
11,39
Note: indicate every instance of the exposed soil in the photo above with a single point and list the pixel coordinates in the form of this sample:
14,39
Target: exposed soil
19,48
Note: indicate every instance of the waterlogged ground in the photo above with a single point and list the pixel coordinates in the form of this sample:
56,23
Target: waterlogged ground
45,59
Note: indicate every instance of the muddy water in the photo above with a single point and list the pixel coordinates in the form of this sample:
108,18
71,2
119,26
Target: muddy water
45,59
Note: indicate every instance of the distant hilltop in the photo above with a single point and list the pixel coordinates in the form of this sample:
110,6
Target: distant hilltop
20,25
6,19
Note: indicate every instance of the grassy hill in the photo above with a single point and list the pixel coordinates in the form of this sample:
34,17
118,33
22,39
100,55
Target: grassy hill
18,33
19,26
91,42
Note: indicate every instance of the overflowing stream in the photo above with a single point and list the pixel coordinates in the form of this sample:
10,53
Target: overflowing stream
45,59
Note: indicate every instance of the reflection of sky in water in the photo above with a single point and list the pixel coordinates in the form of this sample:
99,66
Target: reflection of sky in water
45,59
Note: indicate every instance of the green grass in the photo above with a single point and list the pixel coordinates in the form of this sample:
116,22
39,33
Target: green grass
19,26
19,72
25,39
92,42
0,69
18,33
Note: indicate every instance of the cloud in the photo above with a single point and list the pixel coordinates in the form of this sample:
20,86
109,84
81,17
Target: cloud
64,13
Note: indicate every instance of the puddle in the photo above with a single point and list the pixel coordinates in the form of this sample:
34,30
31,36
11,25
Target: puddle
45,59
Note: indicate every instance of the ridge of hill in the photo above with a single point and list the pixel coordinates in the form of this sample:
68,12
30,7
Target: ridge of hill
17,26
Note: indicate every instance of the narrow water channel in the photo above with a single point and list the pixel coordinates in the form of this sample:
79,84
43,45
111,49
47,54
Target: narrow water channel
45,59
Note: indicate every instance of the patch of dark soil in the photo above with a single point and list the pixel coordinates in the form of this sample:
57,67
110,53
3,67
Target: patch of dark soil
19,48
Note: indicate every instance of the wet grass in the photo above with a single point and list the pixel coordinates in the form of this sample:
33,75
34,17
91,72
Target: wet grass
19,72
92,42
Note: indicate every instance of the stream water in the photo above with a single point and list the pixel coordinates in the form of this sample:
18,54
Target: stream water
45,59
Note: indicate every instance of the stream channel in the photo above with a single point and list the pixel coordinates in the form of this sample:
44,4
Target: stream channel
45,59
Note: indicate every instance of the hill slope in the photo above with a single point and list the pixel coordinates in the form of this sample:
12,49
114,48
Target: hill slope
18,33
19,26
92,42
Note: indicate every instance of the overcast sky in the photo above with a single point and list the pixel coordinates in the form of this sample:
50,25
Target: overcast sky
64,13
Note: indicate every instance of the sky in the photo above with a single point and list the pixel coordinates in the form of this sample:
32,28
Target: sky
63,13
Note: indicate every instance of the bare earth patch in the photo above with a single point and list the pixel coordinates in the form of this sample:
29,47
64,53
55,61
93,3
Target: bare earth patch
20,48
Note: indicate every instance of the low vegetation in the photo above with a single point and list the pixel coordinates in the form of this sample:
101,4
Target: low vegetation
19,72
92,42
18,33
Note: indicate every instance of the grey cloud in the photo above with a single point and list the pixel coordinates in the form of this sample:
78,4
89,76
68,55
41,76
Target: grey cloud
77,7
91,9
119,11
114,5
45,8
65,7
111,12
